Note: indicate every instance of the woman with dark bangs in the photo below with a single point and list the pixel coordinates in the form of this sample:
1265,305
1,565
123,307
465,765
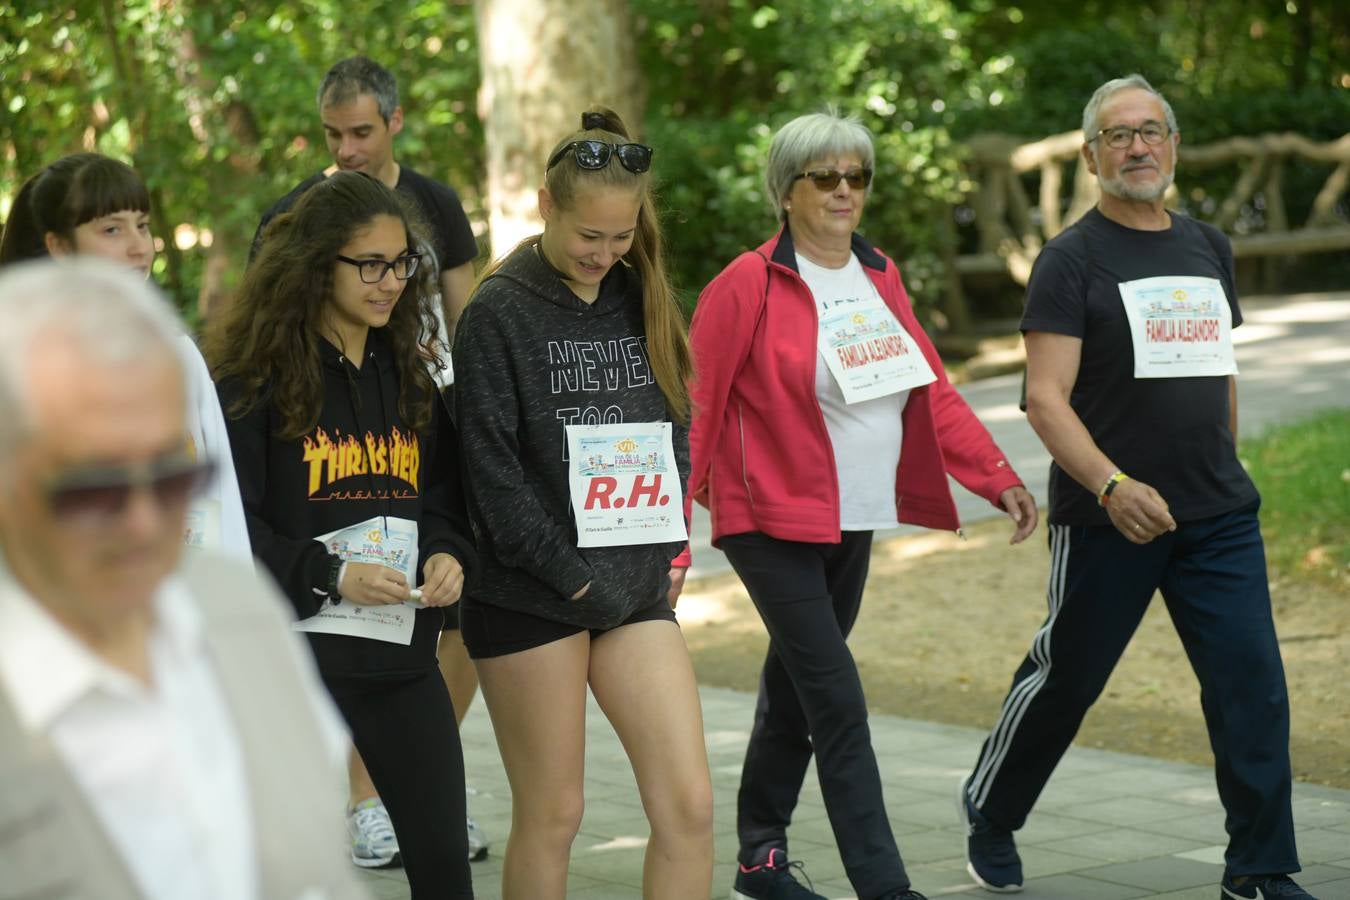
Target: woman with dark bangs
90,204
349,473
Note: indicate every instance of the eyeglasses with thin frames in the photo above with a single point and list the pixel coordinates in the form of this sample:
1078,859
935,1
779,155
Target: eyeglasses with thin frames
373,270
828,179
1118,137
96,496
636,158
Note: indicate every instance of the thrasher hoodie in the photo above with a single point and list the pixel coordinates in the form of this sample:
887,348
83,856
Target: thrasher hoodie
360,461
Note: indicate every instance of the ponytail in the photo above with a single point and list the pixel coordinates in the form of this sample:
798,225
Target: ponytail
23,238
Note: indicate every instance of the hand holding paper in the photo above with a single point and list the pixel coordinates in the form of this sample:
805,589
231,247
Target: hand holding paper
371,584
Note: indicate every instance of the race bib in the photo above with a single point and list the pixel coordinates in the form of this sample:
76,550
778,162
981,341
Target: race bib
1181,327
385,540
624,485
202,528
867,350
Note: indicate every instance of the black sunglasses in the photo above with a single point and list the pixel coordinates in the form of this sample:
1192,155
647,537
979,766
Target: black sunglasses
97,496
828,179
373,270
636,158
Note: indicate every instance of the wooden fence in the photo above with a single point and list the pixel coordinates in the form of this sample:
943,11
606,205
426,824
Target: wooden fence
1012,227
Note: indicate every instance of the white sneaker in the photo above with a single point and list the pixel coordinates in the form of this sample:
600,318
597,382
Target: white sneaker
374,845
478,842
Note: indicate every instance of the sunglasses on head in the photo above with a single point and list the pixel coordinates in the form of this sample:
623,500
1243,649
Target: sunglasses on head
636,158
828,179
98,496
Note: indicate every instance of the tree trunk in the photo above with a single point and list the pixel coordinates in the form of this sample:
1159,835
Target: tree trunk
543,62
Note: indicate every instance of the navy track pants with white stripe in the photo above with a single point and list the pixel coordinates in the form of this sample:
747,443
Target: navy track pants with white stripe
1212,575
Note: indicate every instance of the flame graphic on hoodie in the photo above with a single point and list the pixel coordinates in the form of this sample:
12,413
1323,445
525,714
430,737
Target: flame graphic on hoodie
331,460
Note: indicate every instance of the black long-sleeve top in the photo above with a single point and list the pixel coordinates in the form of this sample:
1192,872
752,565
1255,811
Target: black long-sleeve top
360,461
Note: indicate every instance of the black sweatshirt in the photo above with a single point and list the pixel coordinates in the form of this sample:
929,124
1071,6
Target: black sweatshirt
530,358
361,460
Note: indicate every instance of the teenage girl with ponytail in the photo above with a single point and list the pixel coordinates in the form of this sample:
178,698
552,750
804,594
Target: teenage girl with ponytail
579,325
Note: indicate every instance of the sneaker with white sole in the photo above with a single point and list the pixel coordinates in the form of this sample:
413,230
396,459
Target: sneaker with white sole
374,845
991,852
478,842
1261,887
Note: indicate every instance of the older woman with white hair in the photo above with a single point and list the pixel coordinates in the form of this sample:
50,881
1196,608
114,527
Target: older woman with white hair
821,414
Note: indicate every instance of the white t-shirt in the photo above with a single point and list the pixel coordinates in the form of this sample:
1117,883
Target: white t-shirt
865,436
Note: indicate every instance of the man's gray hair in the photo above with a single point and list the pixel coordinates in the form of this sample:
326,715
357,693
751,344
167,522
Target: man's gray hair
358,75
111,312
1115,86
807,139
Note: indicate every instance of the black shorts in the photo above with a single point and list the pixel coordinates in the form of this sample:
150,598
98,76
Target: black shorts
451,622
490,631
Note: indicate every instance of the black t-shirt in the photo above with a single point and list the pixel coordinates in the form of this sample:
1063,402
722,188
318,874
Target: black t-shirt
1170,433
451,236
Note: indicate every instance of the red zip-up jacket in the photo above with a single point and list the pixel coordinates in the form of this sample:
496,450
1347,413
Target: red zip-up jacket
761,458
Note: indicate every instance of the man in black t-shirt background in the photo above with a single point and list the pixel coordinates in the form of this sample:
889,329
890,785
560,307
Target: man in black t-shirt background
360,112
1130,386
361,115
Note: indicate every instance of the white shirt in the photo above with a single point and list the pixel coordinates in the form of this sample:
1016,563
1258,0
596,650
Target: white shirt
864,436
160,765
219,512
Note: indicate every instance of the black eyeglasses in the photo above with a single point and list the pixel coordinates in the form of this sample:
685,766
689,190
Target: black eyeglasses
1118,137
828,179
636,158
97,496
373,270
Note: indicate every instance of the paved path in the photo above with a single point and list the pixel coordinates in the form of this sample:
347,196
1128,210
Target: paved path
1108,827
1293,356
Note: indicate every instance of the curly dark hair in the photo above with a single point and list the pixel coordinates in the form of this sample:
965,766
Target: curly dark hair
268,338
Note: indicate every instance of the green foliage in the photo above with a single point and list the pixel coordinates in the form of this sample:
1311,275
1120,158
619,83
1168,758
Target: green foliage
215,103
1304,479
724,76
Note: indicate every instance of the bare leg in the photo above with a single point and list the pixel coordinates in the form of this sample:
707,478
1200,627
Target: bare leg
537,701
642,678
457,669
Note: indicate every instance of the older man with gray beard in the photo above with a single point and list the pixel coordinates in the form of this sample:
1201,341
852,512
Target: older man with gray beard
1130,385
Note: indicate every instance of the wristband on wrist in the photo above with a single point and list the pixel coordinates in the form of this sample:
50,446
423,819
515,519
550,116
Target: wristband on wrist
1104,495
336,569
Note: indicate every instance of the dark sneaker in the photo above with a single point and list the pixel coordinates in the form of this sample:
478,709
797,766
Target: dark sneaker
1261,887
908,894
772,880
991,854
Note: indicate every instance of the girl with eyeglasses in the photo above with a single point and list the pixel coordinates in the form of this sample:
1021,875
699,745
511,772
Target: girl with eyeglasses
348,466
574,330
822,413
90,204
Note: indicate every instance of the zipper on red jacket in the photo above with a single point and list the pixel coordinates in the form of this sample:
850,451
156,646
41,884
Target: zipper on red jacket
745,471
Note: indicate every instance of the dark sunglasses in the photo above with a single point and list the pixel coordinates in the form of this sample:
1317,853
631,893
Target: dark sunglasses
636,158
98,496
828,179
373,270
